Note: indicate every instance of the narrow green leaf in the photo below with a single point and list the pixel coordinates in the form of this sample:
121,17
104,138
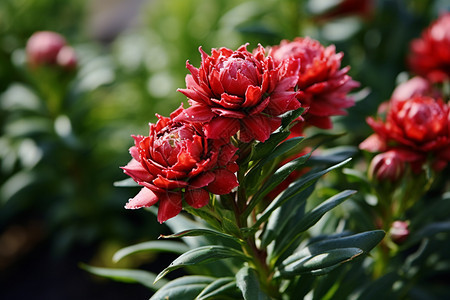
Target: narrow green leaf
311,218
288,117
283,214
294,189
129,182
254,175
186,287
323,261
261,150
333,155
278,177
200,232
151,246
202,255
247,282
219,287
365,241
321,138
126,275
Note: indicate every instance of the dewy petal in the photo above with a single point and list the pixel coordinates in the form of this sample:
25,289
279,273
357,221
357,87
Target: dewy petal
145,198
258,127
282,102
202,180
223,183
135,170
168,184
170,205
196,198
221,128
195,113
253,96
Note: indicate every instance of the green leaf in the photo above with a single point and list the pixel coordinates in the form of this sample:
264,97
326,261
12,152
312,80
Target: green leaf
261,150
202,255
278,177
321,138
311,218
218,288
126,275
254,175
248,283
186,287
129,182
323,262
152,246
365,241
333,155
283,214
294,189
201,232
290,116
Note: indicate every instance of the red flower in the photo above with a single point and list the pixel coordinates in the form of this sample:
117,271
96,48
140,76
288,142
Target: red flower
417,128
239,91
399,231
416,86
430,54
324,83
49,48
176,161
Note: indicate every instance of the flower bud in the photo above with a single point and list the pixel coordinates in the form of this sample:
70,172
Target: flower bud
67,58
399,231
387,166
43,48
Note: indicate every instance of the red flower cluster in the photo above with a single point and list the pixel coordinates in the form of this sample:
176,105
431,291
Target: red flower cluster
430,54
50,48
177,161
416,129
240,91
233,93
324,84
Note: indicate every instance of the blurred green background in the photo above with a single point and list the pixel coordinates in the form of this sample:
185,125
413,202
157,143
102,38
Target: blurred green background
58,162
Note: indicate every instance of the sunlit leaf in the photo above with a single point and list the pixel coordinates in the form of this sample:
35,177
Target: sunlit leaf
126,275
200,232
220,287
186,287
323,261
151,246
248,283
202,255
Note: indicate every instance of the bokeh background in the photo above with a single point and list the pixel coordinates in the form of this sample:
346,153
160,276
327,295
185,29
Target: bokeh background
58,162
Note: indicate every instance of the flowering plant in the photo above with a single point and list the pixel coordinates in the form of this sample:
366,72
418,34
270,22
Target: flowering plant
223,160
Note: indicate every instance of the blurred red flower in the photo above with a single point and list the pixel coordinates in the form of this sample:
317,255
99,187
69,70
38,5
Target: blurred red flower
416,86
430,54
324,84
50,48
418,128
175,162
239,91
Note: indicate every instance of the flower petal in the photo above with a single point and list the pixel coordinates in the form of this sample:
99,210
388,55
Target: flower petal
170,205
223,183
195,113
221,128
196,198
145,198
